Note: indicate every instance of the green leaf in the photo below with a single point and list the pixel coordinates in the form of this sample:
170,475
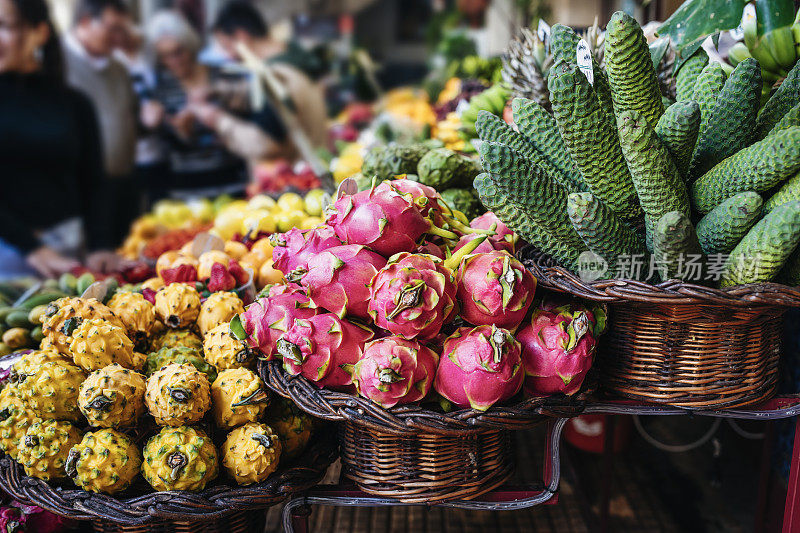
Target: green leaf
699,18
772,14
237,329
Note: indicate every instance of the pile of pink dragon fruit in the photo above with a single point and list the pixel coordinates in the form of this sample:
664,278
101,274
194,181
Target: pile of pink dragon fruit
396,297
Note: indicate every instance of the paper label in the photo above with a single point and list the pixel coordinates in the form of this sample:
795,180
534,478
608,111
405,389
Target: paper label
347,187
583,57
543,31
205,242
97,290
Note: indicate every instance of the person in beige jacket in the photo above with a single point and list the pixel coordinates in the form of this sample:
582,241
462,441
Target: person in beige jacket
239,22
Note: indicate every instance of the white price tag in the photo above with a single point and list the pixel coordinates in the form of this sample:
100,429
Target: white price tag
748,13
583,56
347,187
543,31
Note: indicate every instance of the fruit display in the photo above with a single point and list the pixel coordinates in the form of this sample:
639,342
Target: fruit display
104,461
275,177
380,301
180,458
250,453
678,189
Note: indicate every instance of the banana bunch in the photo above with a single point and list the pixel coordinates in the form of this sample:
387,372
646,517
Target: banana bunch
777,50
492,100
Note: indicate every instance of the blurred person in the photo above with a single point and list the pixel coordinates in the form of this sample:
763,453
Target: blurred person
239,22
98,28
49,148
203,115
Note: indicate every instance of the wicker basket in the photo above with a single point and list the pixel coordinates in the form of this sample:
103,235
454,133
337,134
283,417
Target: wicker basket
219,508
682,344
414,454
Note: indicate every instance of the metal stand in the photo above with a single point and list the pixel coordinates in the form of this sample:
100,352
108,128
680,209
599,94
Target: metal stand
509,498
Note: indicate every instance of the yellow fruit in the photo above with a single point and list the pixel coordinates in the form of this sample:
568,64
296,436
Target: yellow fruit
261,201
238,396
45,448
219,308
289,219
177,394
202,209
186,249
290,201
207,260
154,284
181,458
251,453
51,391
268,274
112,397
223,350
235,249
97,343
63,315
177,305
16,338
262,246
253,260
104,461
33,360
314,201
310,222
257,222
173,259
136,313
15,419
176,337
228,223
291,424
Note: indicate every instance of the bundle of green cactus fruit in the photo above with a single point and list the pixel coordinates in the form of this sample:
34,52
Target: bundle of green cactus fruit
704,190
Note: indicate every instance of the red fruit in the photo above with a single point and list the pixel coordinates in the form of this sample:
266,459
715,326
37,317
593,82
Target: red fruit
221,279
180,274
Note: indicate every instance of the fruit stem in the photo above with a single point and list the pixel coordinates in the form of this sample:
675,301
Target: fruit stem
259,396
409,296
441,232
262,439
454,260
176,461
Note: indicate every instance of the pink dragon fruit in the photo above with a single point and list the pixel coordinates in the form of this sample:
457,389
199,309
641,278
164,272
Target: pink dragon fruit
425,198
494,288
430,248
293,249
395,371
338,279
414,295
479,367
323,348
503,239
382,219
558,347
267,319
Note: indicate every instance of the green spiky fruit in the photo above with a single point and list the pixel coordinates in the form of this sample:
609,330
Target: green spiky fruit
767,246
675,246
780,103
177,394
721,229
688,73
51,391
540,129
44,449
631,75
97,344
788,192
223,350
538,194
392,159
292,424
219,308
180,355
677,129
180,458
251,453
759,167
176,337
518,220
602,230
709,85
443,168
136,313
238,396
104,461
731,119
15,419
112,397
658,184
591,137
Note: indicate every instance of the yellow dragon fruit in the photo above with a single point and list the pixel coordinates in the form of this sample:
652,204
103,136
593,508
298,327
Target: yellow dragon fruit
51,391
15,419
104,461
97,344
176,337
291,424
33,360
138,315
177,305
251,453
177,394
44,449
222,349
61,317
238,396
180,458
219,308
112,397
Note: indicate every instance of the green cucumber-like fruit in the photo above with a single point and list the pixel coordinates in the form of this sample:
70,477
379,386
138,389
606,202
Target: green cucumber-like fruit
722,228
675,248
677,128
686,77
762,253
791,118
788,192
19,319
709,84
781,102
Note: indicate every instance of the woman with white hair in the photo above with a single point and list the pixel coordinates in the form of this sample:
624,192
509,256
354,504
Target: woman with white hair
202,115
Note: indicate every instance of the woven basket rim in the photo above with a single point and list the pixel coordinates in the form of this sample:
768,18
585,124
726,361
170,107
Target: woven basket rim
412,419
671,292
185,506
